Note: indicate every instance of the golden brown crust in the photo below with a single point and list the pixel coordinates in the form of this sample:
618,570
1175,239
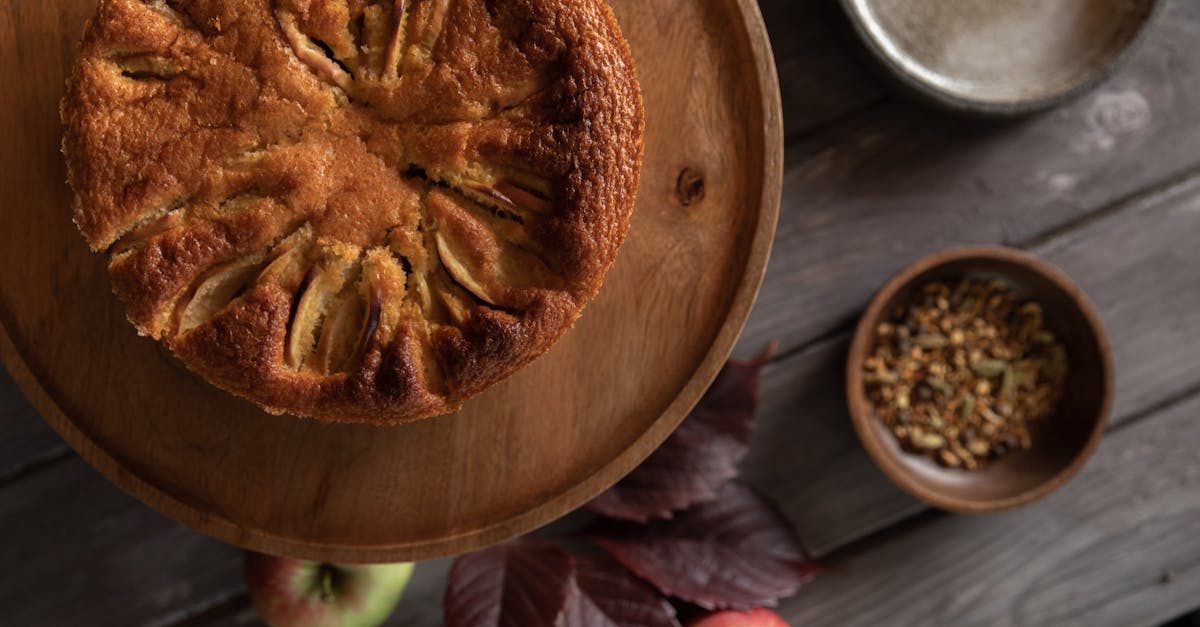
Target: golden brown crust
357,210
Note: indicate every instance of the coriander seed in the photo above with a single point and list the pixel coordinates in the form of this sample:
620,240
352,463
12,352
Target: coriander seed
962,370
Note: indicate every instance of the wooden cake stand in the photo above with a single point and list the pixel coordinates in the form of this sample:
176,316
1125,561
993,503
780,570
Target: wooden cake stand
531,449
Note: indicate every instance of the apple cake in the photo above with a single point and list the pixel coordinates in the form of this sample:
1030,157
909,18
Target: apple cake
354,210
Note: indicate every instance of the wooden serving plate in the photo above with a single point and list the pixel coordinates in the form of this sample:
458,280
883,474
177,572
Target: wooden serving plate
531,449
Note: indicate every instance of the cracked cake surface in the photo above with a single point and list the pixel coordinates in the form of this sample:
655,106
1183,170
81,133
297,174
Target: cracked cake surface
354,210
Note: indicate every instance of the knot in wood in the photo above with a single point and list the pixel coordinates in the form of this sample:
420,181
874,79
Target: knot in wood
689,187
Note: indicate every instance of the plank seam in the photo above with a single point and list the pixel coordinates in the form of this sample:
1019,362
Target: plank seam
1149,411
46,460
1142,200
927,513
1145,199
862,109
221,606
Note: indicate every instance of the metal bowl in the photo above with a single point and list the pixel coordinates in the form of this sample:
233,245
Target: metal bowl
999,56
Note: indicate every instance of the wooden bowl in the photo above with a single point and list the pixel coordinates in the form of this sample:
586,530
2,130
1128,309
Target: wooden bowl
999,57
1061,443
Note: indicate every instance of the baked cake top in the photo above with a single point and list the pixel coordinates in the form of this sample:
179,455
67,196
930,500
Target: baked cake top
355,210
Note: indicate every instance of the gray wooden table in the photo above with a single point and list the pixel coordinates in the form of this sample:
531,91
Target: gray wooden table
1107,187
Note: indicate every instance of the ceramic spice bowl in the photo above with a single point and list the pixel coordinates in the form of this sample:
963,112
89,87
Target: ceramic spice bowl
999,57
1060,443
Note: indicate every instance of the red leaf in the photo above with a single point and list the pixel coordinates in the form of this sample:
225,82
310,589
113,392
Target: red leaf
737,552
603,594
697,460
513,585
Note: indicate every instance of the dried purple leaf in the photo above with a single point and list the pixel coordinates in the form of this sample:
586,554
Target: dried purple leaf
696,462
736,552
605,594
511,585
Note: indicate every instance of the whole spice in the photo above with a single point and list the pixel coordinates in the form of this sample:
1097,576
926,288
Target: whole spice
962,369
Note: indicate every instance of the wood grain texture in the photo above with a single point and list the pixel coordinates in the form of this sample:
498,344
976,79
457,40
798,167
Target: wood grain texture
820,76
25,441
77,551
898,181
529,450
1118,546
1134,263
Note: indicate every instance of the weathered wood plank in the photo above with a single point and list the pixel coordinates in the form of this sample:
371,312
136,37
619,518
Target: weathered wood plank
24,439
820,75
77,551
1118,546
899,181
1138,266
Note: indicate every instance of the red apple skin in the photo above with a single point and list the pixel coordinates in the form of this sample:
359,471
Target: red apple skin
729,618
288,592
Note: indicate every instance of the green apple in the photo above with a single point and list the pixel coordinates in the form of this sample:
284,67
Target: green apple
296,593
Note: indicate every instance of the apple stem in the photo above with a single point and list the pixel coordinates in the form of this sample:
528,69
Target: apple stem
326,585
